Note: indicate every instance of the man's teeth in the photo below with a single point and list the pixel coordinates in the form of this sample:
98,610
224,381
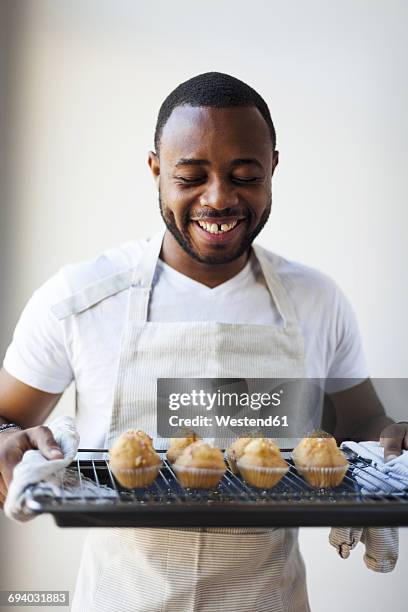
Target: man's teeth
213,228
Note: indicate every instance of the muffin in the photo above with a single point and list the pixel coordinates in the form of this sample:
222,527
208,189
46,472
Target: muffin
235,452
142,435
133,461
262,464
200,466
177,445
319,460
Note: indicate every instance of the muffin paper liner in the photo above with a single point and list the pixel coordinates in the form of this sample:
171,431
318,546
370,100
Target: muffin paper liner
323,477
262,477
198,478
133,478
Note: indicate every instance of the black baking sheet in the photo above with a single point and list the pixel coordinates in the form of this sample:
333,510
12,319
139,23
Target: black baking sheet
292,502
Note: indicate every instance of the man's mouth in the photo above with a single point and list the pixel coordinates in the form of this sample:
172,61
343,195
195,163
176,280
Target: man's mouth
219,227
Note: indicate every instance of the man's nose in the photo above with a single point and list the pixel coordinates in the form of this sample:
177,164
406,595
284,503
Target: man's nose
219,194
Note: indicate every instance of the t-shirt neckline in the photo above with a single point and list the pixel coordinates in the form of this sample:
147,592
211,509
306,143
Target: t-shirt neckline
187,281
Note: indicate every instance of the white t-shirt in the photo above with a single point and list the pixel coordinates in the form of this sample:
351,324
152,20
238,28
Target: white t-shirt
47,353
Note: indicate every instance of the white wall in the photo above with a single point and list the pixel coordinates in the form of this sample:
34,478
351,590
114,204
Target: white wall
86,79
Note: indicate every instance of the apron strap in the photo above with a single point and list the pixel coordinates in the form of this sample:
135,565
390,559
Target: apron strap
138,278
279,294
92,294
143,273
142,279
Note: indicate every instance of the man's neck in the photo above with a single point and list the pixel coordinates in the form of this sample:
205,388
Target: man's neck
211,275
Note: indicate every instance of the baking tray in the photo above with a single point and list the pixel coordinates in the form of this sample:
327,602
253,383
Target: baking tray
89,496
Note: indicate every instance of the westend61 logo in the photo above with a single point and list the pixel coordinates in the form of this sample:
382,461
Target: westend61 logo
231,407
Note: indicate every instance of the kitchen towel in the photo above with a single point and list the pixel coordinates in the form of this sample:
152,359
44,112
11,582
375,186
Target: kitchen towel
379,477
381,545
34,467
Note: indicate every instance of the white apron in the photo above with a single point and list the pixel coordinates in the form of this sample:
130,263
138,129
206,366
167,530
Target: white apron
192,569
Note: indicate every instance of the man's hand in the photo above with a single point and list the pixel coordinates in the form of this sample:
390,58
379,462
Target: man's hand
29,407
394,439
14,444
360,416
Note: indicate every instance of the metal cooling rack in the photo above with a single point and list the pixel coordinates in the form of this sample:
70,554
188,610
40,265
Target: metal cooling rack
89,496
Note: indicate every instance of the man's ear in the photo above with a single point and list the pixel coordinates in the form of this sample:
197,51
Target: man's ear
275,160
154,163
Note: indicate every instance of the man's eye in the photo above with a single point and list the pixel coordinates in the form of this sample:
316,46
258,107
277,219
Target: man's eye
190,181
251,179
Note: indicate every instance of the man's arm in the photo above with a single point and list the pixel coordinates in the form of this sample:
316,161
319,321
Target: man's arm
22,404
360,415
27,407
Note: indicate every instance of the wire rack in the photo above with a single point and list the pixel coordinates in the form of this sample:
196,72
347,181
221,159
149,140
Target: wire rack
87,494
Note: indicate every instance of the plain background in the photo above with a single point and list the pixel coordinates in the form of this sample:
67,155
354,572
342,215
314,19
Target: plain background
81,85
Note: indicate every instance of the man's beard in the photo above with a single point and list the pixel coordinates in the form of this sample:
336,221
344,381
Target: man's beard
184,241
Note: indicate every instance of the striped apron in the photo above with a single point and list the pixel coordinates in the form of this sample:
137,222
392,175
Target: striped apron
193,569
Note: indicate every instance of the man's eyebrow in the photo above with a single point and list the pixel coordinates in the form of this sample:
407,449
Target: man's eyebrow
185,161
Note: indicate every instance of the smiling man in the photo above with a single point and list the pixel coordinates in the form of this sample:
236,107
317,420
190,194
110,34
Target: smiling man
197,300
216,201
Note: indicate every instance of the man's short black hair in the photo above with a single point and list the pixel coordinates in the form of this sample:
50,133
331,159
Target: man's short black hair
216,90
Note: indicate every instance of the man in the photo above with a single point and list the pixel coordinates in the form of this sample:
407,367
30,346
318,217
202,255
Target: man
195,301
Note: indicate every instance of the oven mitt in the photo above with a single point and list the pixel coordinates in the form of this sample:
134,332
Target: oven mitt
34,468
381,545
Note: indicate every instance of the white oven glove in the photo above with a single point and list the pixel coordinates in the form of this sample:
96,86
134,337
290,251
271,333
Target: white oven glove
381,543
34,467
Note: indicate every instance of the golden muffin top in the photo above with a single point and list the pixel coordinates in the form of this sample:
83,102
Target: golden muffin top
262,452
177,445
236,450
133,450
142,435
316,451
200,454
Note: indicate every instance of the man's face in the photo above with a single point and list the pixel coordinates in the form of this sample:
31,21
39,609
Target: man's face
214,178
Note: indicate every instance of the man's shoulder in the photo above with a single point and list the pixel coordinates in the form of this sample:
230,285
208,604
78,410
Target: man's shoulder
73,277
112,261
301,278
